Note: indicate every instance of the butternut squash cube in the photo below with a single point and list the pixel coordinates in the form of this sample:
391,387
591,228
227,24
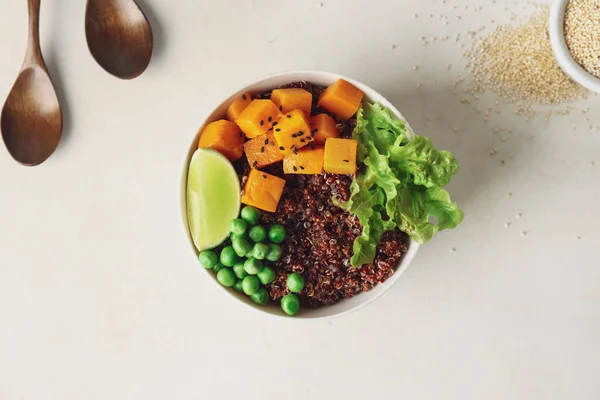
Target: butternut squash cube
238,105
323,127
257,117
263,190
262,151
340,156
292,99
223,136
342,99
307,161
292,132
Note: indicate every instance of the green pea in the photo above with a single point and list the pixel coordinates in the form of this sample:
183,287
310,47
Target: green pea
257,233
253,266
238,226
241,246
228,257
239,271
266,275
250,285
290,303
274,253
250,214
238,286
261,297
226,277
208,258
260,251
295,282
218,267
276,233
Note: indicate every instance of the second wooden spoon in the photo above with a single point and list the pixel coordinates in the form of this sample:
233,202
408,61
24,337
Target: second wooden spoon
118,36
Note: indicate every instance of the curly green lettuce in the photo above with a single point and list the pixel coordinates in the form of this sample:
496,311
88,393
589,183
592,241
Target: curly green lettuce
401,185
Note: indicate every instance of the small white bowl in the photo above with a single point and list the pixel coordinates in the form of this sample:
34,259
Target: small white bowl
561,51
344,306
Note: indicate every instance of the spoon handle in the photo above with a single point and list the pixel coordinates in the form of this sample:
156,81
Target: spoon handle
34,54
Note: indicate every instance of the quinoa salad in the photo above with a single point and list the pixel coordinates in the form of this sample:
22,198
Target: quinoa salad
331,191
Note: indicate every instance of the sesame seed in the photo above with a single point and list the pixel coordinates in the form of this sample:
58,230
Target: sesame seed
275,123
346,161
582,28
301,167
244,97
277,130
524,233
294,135
241,134
302,140
254,163
262,122
281,148
295,169
280,108
267,141
264,176
289,116
262,149
270,119
272,143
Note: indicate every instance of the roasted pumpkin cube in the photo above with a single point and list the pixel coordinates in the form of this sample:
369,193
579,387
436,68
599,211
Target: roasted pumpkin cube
341,99
322,127
263,190
223,136
292,132
262,151
340,156
308,160
238,105
292,99
258,117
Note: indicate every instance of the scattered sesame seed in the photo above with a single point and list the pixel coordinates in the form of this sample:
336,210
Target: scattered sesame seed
295,169
507,225
262,122
519,215
262,149
270,119
524,233
281,148
453,250
509,194
393,47
415,67
578,237
267,141
254,163
509,62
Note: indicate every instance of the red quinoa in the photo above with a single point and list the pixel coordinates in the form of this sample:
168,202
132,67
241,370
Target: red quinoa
320,235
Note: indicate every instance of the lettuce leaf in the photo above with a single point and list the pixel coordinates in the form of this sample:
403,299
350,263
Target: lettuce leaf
401,184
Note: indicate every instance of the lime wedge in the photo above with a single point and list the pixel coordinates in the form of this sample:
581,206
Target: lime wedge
213,198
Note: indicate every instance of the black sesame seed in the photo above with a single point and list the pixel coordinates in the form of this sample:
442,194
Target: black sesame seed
275,123
294,135
346,160
262,149
262,122
302,140
270,119
315,130
254,163
267,141
272,143
270,129
280,108
300,133
289,116
301,167
277,130
264,176
244,97
295,169
241,134
281,148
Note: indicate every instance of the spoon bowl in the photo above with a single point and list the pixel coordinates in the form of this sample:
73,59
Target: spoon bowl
119,36
31,120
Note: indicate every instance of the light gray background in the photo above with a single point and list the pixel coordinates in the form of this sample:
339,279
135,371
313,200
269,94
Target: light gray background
100,299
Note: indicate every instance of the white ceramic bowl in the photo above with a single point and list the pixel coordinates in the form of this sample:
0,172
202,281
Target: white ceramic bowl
556,26
345,306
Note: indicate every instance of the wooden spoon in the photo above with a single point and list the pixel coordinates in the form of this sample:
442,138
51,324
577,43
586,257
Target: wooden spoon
31,119
118,36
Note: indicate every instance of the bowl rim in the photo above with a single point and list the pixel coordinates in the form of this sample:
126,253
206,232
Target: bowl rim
562,54
402,265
